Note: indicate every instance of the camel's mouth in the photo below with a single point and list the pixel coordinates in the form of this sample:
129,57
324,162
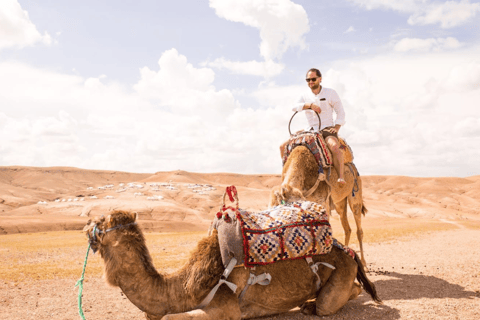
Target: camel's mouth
96,230
93,232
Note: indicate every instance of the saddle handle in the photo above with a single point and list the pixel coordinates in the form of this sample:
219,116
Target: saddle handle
232,195
318,116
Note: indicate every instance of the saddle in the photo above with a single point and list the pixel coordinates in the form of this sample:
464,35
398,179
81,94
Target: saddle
315,142
291,231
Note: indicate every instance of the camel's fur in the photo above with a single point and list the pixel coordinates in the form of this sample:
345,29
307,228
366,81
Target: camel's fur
128,265
300,174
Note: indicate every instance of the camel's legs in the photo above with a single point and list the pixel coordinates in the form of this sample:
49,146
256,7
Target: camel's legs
223,306
337,291
356,205
339,288
341,208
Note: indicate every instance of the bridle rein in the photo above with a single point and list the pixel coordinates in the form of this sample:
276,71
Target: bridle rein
92,239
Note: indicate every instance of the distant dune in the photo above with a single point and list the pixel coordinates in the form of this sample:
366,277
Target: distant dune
36,199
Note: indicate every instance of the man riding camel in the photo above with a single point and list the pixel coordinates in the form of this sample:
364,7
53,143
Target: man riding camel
325,102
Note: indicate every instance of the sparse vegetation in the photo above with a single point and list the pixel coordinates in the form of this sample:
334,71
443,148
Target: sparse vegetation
60,255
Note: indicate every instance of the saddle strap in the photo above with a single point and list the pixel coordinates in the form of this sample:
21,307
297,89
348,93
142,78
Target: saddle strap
314,267
222,280
262,279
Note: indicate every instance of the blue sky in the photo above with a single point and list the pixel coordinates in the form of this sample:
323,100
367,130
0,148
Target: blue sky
208,86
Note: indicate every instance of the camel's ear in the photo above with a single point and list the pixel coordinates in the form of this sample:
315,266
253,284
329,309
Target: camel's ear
108,220
87,226
277,198
134,216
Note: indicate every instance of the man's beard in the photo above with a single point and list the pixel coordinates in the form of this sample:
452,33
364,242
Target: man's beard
315,86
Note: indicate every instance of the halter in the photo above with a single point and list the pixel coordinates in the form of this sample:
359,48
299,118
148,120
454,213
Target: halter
93,238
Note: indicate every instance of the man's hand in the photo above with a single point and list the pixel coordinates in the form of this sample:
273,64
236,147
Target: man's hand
313,107
333,129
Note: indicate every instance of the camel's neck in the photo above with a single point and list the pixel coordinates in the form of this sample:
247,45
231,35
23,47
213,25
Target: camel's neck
129,266
301,169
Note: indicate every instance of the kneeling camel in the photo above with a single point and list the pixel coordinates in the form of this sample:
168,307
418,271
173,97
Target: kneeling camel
129,266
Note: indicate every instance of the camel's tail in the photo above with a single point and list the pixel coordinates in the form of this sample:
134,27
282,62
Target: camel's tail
364,209
366,284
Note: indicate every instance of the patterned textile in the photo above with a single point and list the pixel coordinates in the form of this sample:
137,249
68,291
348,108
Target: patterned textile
347,151
347,250
292,231
314,142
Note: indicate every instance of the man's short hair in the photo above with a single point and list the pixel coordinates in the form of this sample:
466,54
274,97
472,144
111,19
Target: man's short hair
319,74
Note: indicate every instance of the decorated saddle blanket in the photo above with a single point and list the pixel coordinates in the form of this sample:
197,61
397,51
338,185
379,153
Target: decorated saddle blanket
315,142
292,231
346,249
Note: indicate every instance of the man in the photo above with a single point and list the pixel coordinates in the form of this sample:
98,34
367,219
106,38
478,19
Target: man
325,101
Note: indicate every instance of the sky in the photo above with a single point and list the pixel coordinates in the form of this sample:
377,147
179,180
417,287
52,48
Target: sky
209,86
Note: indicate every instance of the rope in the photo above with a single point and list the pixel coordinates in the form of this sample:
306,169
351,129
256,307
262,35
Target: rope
79,283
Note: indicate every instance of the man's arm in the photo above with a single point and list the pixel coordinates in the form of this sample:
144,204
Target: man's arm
303,105
339,111
312,106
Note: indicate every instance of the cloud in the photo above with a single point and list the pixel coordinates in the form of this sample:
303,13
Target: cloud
282,23
426,45
448,14
397,5
465,77
172,118
350,29
16,29
413,115
266,69
179,85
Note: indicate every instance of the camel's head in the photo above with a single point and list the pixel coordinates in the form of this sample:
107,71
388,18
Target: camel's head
285,193
97,228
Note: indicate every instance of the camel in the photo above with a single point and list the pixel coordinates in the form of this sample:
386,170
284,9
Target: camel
299,178
128,265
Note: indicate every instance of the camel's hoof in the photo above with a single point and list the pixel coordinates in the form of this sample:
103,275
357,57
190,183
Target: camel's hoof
308,308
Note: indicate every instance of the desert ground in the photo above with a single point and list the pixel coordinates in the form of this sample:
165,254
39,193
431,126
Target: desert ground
421,238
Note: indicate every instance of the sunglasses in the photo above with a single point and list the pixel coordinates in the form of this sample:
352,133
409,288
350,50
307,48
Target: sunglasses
311,79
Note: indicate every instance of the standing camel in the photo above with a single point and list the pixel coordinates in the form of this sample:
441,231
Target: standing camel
128,265
300,175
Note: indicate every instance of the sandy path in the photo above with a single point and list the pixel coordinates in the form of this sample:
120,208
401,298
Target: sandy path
434,276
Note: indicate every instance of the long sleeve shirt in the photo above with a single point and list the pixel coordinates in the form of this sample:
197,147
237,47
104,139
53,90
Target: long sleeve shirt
329,102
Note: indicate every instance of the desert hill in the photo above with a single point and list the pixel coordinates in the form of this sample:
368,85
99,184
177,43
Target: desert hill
36,199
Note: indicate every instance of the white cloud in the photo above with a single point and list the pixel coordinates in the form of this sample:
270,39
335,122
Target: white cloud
415,115
266,69
426,45
16,29
397,5
173,119
282,23
465,77
448,14
179,85
350,29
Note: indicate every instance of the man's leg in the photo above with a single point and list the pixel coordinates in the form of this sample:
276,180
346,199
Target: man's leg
337,153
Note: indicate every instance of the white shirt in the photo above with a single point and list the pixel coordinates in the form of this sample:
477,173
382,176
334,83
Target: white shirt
328,101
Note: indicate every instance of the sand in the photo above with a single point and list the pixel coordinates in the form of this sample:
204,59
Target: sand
421,272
